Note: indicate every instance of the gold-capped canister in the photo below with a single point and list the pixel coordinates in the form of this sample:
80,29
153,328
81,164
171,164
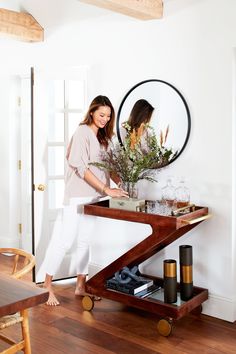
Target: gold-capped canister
186,272
170,280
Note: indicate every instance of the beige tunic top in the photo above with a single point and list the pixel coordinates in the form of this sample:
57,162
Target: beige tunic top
85,148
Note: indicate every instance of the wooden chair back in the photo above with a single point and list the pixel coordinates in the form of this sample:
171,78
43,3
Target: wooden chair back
19,262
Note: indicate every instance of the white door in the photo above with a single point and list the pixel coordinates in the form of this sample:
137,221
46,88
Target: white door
59,102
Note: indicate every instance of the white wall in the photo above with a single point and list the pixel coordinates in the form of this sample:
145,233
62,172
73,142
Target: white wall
193,49
9,179
4,138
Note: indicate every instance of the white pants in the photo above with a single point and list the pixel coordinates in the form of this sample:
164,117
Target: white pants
71,225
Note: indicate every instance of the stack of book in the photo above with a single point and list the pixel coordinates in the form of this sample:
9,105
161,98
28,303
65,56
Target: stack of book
139,287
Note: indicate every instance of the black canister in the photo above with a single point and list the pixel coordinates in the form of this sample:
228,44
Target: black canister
186,272
170,280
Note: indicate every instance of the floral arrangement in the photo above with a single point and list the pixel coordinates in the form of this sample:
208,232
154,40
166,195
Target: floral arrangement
139,156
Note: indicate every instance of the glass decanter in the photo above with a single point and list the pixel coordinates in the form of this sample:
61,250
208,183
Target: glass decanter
168,193
182,194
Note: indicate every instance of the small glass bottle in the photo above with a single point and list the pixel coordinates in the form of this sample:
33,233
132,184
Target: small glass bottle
182,194
168,193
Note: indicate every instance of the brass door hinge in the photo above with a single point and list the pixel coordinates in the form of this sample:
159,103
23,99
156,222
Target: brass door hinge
19,101
19,165
20,228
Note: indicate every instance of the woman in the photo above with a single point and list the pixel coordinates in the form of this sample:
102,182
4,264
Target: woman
83,184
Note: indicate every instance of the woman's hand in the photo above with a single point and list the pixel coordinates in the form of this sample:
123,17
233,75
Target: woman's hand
115,192
91,179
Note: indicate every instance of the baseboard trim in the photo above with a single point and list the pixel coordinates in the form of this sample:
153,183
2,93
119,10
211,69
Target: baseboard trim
220,307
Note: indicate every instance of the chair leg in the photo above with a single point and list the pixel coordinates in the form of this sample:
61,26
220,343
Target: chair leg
25,331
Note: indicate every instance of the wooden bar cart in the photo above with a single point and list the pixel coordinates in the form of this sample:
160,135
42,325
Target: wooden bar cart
165,230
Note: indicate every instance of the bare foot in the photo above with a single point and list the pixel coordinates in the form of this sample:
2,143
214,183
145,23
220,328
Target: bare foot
81,292
52,300
80,287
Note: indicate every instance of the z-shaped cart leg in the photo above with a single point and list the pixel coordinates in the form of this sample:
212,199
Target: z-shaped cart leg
159,239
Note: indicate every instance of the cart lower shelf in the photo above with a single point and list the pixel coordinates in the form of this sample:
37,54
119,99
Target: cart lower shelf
154,303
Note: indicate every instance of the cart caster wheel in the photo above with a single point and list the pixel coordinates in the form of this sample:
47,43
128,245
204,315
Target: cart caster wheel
87,303
197,310
164,327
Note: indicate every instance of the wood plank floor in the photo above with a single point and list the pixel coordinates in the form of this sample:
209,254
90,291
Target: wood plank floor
114,328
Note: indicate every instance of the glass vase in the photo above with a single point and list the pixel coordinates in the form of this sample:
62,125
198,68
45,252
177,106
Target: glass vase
131,188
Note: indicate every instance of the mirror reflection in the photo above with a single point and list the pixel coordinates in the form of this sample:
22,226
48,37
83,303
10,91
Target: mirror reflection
169,112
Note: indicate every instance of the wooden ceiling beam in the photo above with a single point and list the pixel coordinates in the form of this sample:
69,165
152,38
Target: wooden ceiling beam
20,25
141,9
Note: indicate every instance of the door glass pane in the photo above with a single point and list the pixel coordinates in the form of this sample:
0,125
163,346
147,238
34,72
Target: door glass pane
56,193
55,160
56,127
74,120
75,94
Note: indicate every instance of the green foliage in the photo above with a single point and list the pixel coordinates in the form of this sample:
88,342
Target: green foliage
138,158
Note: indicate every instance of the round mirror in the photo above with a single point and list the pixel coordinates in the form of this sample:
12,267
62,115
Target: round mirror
170,111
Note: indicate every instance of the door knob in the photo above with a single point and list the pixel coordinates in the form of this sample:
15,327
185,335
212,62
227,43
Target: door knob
41,187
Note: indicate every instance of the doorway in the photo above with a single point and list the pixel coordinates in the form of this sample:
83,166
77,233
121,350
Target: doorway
58,99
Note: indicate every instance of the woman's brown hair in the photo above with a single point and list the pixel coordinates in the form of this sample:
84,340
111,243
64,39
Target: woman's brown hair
104,134
141,113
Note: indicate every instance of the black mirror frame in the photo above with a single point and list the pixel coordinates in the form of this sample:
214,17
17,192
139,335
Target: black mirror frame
184,102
